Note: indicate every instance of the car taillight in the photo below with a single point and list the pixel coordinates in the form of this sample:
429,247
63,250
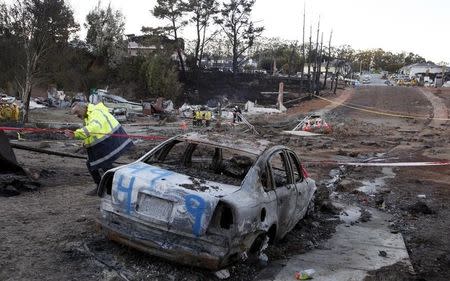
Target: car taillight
223,217
304,172
106,184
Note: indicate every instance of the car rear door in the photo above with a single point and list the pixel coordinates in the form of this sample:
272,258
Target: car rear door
281,181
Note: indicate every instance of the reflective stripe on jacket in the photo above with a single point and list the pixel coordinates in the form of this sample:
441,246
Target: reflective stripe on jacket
98,125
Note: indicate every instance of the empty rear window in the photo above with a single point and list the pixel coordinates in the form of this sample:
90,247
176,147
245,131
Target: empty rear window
206,162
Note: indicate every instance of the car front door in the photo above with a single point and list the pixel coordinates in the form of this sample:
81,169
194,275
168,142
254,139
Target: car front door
281,181
300,185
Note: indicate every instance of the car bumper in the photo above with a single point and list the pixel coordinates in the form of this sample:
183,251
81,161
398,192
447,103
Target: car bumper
213,252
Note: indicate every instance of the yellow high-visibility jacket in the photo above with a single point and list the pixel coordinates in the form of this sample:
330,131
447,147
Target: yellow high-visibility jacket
98,125
207,115
198,115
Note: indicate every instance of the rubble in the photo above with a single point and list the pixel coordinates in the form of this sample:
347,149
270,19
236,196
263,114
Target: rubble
419,208
35,105
118,106
14,184
6,99
252,109
55,98
13,178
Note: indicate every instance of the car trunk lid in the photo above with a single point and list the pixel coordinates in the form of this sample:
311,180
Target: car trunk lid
176,201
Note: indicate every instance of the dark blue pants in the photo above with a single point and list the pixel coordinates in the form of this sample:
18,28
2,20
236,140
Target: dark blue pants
97,173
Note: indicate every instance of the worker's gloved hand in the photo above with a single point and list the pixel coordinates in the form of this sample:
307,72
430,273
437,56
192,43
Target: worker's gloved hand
69,134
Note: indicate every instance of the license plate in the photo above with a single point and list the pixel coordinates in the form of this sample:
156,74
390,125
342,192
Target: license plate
154,207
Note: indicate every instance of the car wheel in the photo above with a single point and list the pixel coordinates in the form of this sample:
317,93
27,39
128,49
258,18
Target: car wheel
258,244
256,250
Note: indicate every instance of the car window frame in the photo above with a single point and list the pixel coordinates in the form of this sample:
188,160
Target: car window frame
160,154
269,171
293,166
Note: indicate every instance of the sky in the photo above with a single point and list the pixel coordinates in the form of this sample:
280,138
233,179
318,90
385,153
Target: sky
394,25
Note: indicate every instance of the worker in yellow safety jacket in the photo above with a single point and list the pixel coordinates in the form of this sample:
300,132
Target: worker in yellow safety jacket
207,117
103,137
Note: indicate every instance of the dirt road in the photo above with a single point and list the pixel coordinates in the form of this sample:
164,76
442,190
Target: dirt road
423,221
51,235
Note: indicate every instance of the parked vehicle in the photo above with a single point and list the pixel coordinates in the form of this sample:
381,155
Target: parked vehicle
206,200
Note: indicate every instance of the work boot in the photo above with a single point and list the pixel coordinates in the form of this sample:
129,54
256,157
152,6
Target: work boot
92,192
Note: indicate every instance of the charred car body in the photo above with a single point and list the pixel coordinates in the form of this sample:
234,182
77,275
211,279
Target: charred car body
205,200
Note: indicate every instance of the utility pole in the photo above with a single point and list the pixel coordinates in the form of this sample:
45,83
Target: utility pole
315,56
319,66
303,43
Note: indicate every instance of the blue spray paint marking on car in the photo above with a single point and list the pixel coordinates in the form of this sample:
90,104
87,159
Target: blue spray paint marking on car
138,168
128,190
195,205
141,167
161,174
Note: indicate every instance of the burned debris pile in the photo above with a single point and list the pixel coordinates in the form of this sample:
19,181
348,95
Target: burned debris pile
13,178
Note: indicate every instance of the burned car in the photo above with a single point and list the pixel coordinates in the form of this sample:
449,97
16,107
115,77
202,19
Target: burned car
205,200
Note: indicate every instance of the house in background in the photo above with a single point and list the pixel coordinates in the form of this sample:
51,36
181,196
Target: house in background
135,49
427,73
143,45
423,69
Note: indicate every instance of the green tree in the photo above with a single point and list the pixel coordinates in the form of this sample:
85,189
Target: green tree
9,46
284,53
5,21
161,77
39,26
173,11
218,48
238,27
105,34
202,14
412,58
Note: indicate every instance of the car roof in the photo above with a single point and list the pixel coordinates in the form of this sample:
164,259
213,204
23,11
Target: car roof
247,145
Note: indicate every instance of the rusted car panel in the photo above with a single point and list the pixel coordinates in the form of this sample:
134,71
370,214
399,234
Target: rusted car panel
207,205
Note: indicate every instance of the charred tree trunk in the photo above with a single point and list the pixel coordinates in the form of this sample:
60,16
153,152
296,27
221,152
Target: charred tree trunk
328,61
291,58
235,55
315,58
336,82
303,46
319,67
180,55
202,48
333,78
32,58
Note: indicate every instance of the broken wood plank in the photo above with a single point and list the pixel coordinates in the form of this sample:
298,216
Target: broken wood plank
45,151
